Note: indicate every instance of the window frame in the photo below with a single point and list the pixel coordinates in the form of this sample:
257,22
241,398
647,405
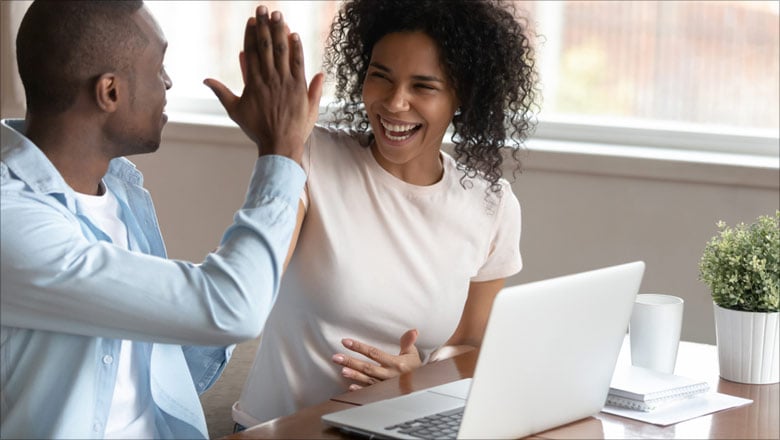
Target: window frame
583,136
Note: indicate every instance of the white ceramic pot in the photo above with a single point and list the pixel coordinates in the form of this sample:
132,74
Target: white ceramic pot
748,345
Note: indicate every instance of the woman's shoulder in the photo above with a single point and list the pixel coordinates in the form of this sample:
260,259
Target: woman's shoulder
323,136
474,180
475,190
331,148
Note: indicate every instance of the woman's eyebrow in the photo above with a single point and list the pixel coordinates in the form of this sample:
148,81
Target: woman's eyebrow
384,68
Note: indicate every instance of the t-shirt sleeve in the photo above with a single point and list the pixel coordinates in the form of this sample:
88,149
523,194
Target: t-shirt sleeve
503,259
306,165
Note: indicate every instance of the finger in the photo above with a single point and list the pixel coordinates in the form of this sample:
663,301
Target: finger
225,96
315,94
264,45
368,351
251,63
296,58
242,63
281,51
407,342
366,369
357,376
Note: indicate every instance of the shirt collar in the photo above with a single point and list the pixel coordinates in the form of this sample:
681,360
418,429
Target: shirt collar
29,163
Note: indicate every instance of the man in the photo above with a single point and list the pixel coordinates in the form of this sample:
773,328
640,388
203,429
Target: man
102,336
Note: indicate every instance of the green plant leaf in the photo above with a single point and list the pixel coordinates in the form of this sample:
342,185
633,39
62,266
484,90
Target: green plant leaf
741,265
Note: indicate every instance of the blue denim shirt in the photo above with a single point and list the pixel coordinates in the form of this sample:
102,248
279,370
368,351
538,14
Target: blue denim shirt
69,296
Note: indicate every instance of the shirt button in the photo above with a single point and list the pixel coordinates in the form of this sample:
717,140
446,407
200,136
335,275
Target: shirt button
107,359
96,426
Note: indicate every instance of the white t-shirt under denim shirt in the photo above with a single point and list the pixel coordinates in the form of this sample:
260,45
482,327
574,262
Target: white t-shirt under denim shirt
132,413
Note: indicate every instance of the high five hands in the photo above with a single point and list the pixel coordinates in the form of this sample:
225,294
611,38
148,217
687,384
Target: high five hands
276,108
366,373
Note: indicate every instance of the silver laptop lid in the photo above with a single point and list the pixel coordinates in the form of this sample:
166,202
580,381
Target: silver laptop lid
549,352
547,358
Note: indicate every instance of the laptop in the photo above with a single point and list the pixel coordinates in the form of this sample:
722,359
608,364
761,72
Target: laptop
547,359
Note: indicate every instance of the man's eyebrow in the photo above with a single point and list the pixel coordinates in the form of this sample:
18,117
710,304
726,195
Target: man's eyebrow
429,78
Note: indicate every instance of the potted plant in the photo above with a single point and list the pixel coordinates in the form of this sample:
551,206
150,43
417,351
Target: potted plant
740,266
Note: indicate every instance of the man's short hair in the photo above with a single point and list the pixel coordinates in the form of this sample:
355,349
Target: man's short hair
64,46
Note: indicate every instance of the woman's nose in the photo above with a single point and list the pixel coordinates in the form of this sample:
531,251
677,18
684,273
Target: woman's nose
397,100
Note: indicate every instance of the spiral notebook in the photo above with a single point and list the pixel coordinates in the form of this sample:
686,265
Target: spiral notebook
645,390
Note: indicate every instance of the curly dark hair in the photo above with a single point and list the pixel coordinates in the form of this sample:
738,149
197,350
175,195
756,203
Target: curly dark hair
487,52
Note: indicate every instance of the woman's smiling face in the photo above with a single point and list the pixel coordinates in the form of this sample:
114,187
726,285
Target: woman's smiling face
410,103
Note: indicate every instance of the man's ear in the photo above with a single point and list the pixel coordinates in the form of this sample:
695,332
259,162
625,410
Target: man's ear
108,92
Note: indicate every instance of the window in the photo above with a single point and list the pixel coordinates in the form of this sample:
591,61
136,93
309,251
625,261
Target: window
205,38
691,68
694,62
690,74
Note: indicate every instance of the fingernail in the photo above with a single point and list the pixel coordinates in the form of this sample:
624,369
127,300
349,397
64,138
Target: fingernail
276,16
347,342
262,10
345,372
338,358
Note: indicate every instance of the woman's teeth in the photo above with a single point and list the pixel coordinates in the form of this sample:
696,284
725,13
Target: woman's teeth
397,138
398,132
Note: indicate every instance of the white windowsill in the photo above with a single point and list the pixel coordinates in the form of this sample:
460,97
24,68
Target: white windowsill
558,156
654,163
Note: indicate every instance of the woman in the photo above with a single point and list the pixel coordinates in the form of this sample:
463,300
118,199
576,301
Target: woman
398,238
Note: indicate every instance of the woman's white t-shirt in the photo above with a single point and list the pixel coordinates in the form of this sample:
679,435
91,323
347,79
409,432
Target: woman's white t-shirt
376,256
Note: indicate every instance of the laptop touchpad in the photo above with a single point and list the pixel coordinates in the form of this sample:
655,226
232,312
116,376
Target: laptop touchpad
459,388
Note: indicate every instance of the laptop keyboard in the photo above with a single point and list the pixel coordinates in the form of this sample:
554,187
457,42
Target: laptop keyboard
441,425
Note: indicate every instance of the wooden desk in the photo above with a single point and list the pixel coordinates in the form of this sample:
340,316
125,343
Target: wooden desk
761,419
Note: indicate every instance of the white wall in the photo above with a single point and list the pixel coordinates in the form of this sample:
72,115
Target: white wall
575,221
580,211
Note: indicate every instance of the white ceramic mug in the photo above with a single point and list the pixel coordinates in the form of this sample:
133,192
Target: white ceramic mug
654,330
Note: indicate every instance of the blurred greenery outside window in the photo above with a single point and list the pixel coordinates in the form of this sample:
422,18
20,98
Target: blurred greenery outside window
622,72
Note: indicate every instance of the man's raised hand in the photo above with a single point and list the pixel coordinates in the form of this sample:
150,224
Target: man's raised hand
276,108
